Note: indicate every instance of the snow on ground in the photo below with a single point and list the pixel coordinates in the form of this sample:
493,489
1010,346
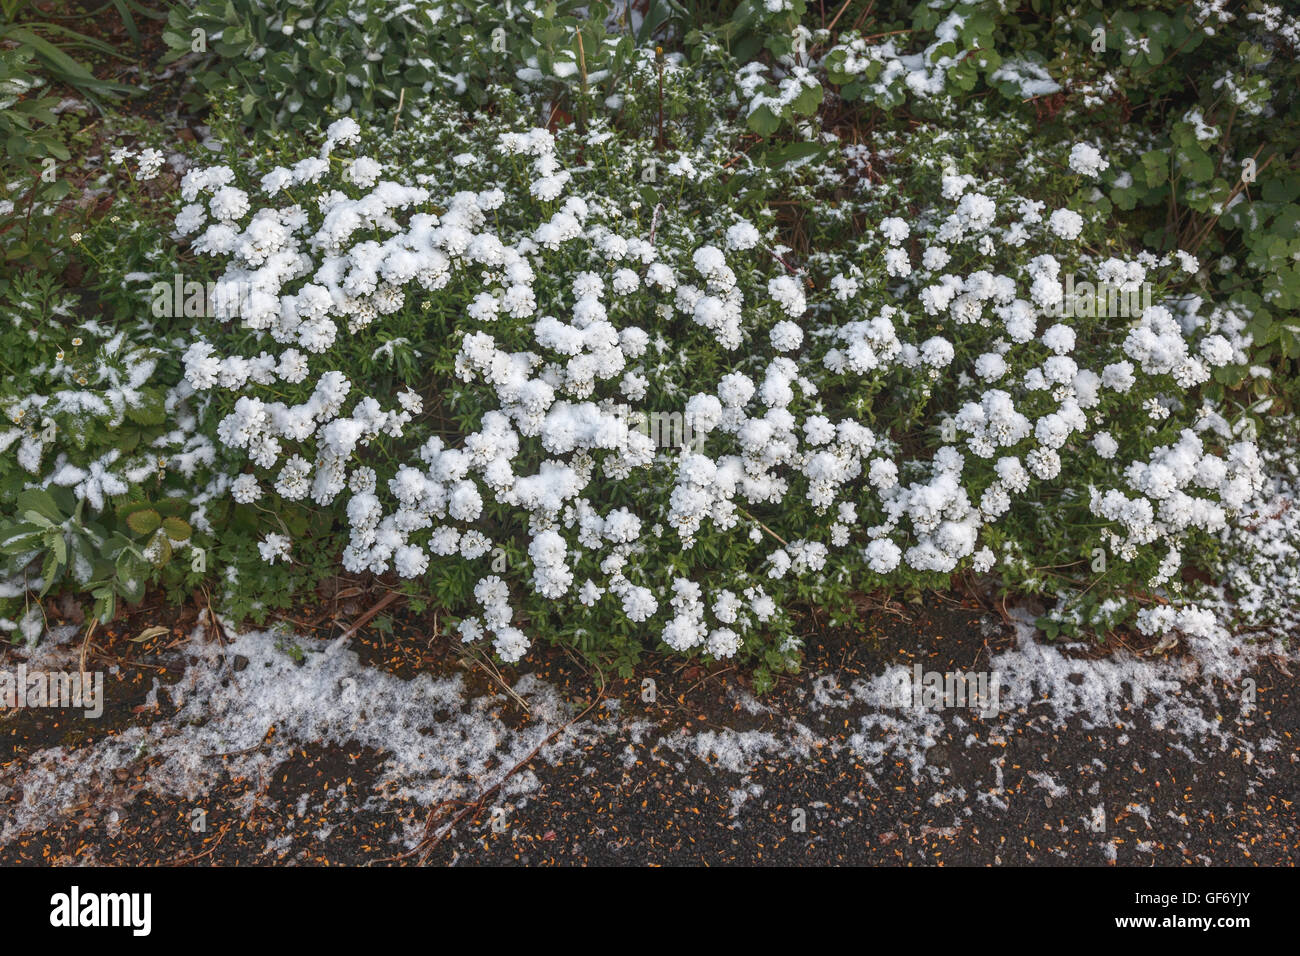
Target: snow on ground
244,707
437,743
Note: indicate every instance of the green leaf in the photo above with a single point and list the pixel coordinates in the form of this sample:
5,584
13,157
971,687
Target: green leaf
105,604
151,410
40,501
764,122
163,546
790,153
49,571
1280,189
144,522
33,517
171,507
177,529
1195,163
1155,166
131,586
22,542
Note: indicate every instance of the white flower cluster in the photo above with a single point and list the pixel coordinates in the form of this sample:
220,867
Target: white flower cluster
1086,160
558,302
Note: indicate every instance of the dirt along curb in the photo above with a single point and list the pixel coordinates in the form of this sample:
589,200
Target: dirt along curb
268,749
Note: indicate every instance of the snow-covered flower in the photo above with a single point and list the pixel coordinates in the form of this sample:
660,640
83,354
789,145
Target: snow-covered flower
1086,160
1066,223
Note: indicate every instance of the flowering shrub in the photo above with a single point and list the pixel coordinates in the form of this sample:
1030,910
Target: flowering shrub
444,354
662,348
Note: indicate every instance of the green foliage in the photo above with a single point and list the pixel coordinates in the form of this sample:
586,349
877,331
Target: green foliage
25,120
77,396
293,62
32,147
105,558
751,28
49,43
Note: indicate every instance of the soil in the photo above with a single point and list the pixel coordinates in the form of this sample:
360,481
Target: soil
1162,801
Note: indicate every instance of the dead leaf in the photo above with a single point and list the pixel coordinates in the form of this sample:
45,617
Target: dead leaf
1166,643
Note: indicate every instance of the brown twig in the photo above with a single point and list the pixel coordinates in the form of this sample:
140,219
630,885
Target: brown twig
190,859
491,670
1203,234
429,843
792,270
764,527
366,618
85,644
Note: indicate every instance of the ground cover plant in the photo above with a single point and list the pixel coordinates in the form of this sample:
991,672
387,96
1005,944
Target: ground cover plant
665,326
